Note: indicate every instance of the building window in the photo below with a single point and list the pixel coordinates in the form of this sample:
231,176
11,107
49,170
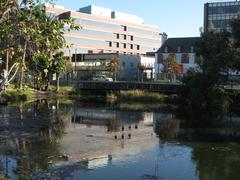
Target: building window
117,36
110,44
138,47
130,38
160,58
185,58
124,28
131,46
116,44
166,49
192,49
124,45
179,49
125,37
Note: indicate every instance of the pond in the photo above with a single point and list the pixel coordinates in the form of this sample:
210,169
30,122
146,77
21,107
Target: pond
63,139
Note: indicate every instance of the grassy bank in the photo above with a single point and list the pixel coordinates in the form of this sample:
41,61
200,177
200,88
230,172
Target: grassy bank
136,96
28,94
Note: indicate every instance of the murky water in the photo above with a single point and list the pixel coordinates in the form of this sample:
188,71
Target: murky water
66,140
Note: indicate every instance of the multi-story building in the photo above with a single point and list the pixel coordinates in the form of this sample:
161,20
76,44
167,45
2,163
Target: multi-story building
183,49
106,31
218,15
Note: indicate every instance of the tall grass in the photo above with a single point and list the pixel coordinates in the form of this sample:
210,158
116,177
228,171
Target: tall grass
136,96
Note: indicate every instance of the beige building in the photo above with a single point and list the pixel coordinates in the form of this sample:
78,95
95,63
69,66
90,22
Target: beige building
107,31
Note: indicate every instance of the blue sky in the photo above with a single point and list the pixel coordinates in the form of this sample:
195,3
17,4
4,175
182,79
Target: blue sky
178,18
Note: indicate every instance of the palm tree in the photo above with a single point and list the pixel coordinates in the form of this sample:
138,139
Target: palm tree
114,66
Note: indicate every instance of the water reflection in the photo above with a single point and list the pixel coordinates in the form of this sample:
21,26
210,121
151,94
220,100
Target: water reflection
47,139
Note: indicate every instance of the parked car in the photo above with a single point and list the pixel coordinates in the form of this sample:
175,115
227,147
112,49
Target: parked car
102,78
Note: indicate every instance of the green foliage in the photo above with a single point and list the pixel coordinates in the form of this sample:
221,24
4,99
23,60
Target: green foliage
170,67
203,98
13,94
215,51
34,38
236,44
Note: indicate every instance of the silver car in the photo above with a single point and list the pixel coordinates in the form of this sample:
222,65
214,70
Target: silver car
102,78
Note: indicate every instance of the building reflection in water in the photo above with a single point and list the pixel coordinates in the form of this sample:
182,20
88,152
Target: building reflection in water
46,134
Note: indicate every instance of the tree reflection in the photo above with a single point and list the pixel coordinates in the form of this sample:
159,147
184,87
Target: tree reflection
36,145
166,129
217,161
113,125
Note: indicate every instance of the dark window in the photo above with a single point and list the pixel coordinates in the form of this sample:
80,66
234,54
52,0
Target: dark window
138,47
179,49
166,49
124,45
131,46
160,58
185,58
117,45
117,36
233,9
110,44
125,36
124,28
192,49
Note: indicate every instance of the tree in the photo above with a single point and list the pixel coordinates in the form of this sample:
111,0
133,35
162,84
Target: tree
203,94
114,66
8,11
36,37
236,43
6,7
59,66
170,67
215,50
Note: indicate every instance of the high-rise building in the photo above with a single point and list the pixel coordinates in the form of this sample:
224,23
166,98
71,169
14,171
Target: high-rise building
218,15
106,31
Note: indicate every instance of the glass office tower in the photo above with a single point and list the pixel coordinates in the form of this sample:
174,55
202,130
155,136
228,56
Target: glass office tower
107,31
218,15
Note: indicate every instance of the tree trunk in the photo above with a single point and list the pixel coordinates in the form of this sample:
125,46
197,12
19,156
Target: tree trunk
47,85
6,72
7,64
22,66
57,82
